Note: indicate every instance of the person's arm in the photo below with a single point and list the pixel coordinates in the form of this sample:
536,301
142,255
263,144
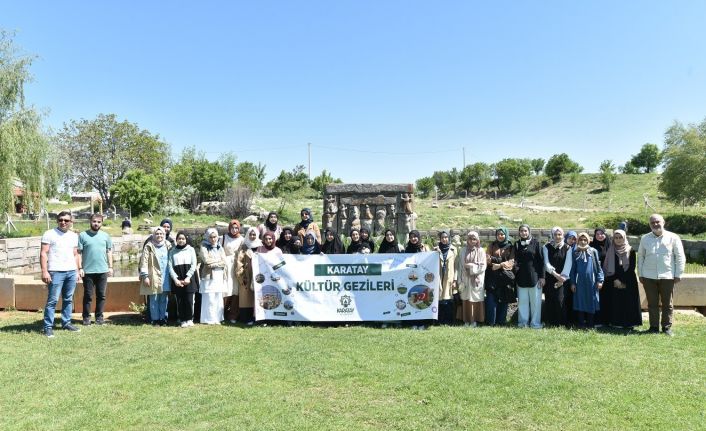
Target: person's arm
641,251
547,266
144,266
539,264
679,258
110,260
44,263
173,273
77,258
193,267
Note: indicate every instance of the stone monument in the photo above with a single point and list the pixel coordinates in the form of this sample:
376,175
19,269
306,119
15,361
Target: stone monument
375,206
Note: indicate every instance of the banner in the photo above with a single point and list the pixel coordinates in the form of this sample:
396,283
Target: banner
346,287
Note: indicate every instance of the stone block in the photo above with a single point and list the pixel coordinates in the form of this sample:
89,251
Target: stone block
7,292
369,188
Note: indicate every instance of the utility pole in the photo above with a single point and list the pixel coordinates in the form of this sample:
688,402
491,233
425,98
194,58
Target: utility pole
309,150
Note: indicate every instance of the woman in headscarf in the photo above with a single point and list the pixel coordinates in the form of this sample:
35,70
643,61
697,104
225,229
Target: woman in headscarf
529,278
472,264
414,243
268,244
213,279
570,240
310,245
448,261
389,243
355,244
332,243
619,267
601,243
499,278
154,275
243,271
270,225
306,224
586,279
555,312
285,240
366,241
182,269
231,243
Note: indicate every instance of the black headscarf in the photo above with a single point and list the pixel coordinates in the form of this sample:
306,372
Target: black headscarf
369,243
600,246
444,248
332,247
354,246
412,248
282,243
271,226
387,246
305,223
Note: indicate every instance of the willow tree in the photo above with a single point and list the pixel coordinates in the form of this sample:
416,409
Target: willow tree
25,154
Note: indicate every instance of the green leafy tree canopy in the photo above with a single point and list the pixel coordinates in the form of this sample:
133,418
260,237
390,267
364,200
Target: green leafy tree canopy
684,176
138,191
101,151
560,164
648,158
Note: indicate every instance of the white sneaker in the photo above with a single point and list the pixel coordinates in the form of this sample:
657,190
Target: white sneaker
190,323
184,325
233,321
414,327
250,323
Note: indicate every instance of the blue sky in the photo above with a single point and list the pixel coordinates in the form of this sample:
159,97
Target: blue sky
385,91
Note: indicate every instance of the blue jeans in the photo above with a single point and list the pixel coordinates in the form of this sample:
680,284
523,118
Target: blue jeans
495,312
529,300
158,306
64,283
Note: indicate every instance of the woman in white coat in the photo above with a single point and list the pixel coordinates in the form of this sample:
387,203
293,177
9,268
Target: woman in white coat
213,279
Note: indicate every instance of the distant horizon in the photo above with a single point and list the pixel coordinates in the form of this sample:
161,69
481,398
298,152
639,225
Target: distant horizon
404,86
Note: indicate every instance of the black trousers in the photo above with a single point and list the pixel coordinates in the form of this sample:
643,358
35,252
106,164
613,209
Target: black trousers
99,283
185,305
447,312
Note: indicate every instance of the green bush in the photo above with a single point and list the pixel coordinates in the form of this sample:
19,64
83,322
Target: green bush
639,225
686,223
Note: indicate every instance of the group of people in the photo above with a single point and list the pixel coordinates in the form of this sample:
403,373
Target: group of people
584,281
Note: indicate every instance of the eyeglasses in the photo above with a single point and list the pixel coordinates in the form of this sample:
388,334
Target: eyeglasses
64,220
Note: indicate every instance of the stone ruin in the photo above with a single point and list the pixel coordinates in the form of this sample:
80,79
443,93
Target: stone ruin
373,206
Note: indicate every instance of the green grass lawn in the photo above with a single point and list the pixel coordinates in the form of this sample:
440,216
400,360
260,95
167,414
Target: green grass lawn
131,376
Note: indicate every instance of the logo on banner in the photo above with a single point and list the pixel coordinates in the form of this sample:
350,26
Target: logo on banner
345,301
347,269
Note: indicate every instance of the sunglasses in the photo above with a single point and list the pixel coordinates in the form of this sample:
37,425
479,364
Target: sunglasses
64,220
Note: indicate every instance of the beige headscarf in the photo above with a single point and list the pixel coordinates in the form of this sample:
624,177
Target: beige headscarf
622,252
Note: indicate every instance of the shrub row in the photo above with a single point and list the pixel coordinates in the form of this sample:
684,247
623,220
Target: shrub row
678,223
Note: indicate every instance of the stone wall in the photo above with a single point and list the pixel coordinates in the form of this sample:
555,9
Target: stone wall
373,206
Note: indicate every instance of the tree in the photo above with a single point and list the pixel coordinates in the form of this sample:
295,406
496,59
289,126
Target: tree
101,151
138,191
425,186
629,168
509,171
537,166
320,182
289,183
608,174
648,158
477,175
25,153
250,175
684,176
193,178
560,164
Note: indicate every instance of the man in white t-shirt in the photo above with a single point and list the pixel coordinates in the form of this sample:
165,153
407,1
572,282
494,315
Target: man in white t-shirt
60,261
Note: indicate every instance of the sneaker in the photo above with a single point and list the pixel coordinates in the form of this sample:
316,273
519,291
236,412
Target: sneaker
653,330
190,323
668,332
49,332
70,327
100,321
250,323
86,321
163,322
233,321
184,325
155,322
415,327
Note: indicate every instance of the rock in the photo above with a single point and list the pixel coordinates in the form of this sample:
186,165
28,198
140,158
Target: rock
434,205
504,217
250,219
517,220
221,224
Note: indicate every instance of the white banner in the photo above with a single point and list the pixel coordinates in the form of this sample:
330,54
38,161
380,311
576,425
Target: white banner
346,287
